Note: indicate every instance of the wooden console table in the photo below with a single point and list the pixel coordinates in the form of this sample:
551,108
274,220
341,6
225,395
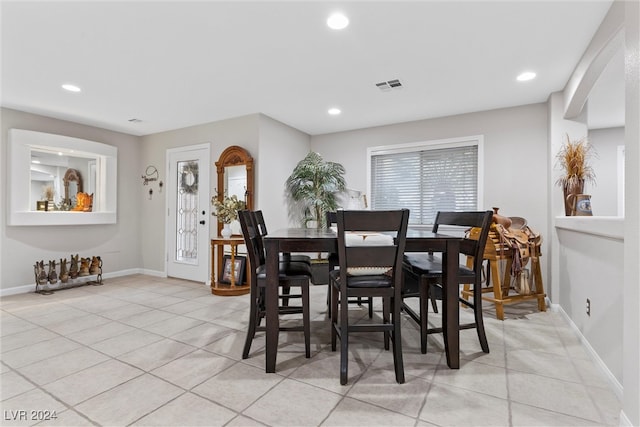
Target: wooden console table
217,266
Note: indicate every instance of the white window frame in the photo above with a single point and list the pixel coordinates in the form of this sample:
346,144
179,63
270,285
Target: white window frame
466,141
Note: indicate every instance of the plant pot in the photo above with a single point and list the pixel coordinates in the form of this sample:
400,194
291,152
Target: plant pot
226,231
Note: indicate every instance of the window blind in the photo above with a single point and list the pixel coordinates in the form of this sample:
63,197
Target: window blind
426,181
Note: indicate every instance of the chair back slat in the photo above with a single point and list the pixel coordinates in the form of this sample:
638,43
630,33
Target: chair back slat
251,238
380,222
371,256
260,223
460,219
331,218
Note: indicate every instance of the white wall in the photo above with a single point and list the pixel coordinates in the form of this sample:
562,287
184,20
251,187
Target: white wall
281,148
631,305
604,195
117,244
577,253
592,267
558,129
515,157
241,131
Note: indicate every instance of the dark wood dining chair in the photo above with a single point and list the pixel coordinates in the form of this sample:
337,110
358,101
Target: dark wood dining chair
370,250
293,260
291,275
426,269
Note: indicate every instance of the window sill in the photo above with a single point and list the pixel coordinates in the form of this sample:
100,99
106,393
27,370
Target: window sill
604,226
61,218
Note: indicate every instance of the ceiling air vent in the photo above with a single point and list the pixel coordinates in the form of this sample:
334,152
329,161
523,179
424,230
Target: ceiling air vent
389,84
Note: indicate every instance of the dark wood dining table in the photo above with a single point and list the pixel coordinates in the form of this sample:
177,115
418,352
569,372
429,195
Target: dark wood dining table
325,240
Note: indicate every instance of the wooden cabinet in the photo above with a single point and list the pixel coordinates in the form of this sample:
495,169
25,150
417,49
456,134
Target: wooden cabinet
229,274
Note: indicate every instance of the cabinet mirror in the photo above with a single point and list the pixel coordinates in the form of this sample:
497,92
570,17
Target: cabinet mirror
48,171
235,177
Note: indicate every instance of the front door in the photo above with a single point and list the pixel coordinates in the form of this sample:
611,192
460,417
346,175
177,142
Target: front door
188,212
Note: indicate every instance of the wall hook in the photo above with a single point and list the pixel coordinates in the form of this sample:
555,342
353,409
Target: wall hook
150,175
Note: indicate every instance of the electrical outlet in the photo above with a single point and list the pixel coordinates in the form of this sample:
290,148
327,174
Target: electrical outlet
588,307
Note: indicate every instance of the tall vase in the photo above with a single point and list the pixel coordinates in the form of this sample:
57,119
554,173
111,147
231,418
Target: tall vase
226,231
571,189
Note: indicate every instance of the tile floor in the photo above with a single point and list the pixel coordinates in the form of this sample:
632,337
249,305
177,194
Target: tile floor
145,351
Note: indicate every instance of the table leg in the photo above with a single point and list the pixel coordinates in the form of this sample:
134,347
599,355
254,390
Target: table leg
451,315
271,303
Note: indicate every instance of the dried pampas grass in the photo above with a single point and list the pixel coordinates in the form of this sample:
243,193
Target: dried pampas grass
574,158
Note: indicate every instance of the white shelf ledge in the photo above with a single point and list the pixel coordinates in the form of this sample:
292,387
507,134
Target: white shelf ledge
604,226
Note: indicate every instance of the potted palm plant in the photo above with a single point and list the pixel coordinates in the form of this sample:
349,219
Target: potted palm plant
312,189
574,159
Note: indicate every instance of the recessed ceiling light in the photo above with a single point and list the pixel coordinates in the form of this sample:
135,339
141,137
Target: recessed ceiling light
528,75
337,21
334,111
70,87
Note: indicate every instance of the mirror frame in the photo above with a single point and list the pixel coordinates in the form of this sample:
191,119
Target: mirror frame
71,175
21,142
235,156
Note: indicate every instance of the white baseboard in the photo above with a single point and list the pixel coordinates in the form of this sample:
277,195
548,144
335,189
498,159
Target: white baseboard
25,289
155,273
120,273
615,384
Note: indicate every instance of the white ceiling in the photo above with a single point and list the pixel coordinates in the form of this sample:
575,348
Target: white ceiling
177,64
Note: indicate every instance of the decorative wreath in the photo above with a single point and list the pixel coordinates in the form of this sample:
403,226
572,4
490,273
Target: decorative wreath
189,185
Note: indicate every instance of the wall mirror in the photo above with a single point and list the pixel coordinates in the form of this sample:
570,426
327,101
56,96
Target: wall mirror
49,170
72,185
235,176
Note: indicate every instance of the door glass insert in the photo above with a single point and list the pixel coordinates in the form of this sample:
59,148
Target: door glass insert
187,212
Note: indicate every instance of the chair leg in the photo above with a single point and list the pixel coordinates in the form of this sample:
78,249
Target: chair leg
253,323
424,313
334,317
332,266
306,321
261,308
477,311
386,309
434,305
329,300
344,338
370,307
286,290
398,362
